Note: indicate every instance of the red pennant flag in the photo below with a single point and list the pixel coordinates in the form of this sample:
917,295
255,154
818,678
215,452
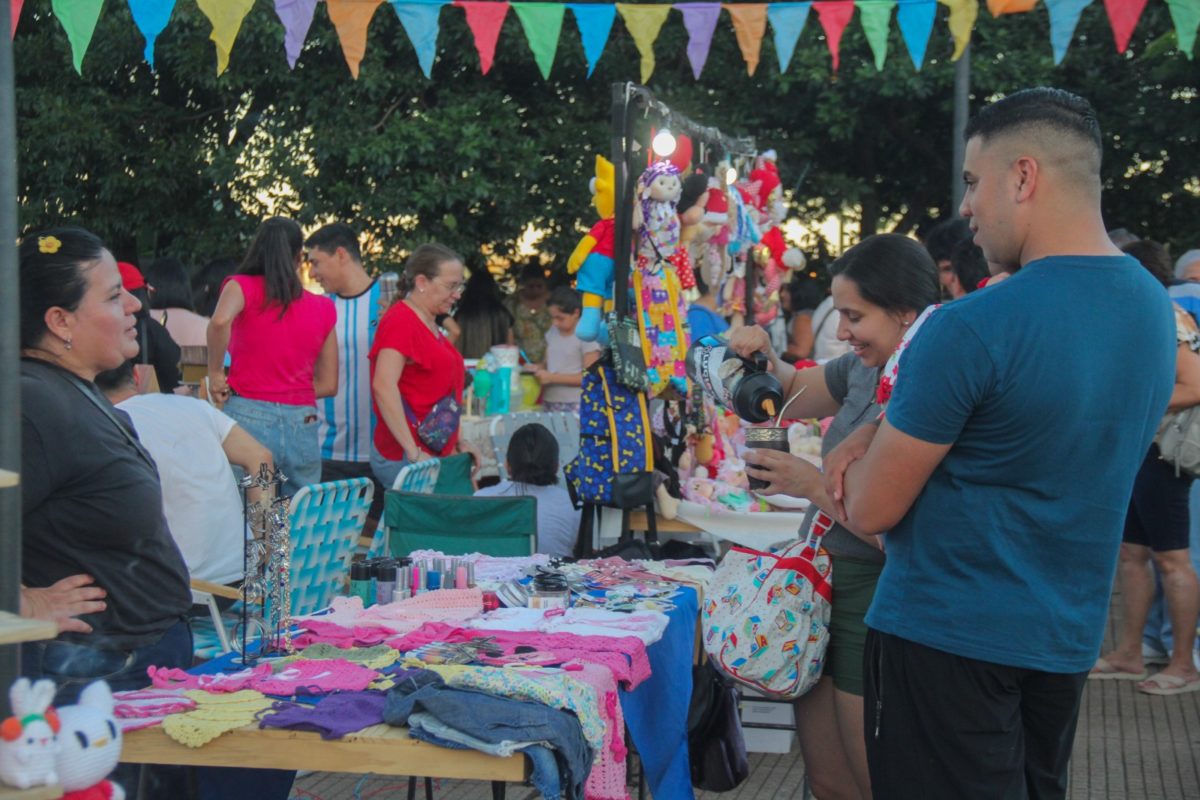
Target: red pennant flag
16,14
485,20
1123,15
834,16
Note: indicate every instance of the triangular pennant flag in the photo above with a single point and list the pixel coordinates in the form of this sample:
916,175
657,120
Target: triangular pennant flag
998,7
297,17
1186,16
644,22
543,25
1123,16
1064,16
226,17
963,14
15,13
420,19
787,20
151,17
595,24
351,18
700,19
749,23
834,17
916,23
78,18
875,18
485,20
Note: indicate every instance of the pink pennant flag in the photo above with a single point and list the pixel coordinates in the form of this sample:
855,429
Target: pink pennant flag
16,14
1123,15
485,20
834,16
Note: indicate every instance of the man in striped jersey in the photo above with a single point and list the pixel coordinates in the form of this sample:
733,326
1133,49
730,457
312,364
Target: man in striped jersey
346,419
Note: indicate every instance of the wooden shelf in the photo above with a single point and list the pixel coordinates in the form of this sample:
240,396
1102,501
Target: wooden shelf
14,630
36,793
9,479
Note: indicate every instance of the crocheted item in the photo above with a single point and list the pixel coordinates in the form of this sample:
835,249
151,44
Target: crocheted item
145,708
317,677
646,625
318,632
376,657
164,678
606,781
333,717
214,715
402,616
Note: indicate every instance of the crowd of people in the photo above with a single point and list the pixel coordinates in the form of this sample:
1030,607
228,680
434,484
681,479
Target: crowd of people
1007,456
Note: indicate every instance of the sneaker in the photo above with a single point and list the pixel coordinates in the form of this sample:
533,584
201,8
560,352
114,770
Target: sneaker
1152,655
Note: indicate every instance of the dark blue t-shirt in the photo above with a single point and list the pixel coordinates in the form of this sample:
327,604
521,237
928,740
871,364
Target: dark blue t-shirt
1050,386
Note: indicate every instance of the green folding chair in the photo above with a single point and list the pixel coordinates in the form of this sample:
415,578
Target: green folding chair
461,524
454,477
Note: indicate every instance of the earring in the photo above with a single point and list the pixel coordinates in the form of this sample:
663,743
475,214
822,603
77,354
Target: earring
67,344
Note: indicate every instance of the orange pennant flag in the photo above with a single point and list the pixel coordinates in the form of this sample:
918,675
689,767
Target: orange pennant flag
998,7
750,24
351,18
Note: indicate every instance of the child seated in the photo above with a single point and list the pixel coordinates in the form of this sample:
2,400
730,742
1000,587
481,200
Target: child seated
566,356
532,464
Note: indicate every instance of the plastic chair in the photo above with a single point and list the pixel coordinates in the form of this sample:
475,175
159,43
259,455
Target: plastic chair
563,425
461,524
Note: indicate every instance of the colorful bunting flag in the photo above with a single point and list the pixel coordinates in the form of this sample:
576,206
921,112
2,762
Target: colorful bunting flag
15,14
787,20
351,18
644,22
834,17
151,18
875,16
749,23
700,20
963,14
485,20
78,18
543,25
1186,16
1064,16
998,7
297,17
595,24
916,23
226,17
420,19
1123,16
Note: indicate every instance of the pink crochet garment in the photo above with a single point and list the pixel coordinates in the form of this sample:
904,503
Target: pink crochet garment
607,778
145,708
402,616
303,676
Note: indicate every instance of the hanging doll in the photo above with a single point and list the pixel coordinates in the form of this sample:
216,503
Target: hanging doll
592,260
772,258
657,292
743,235
693,198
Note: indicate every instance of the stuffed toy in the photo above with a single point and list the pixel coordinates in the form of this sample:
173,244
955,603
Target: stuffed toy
657,292
693,199
743,235
772,258
90,746
29,747
592,260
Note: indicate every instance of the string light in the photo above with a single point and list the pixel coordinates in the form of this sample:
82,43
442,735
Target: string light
664,143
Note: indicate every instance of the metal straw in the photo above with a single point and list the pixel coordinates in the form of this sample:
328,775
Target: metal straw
779,420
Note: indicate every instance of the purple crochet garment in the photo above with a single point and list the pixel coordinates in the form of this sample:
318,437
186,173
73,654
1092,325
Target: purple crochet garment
333,717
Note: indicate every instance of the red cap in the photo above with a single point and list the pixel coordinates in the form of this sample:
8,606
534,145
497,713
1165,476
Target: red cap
131,276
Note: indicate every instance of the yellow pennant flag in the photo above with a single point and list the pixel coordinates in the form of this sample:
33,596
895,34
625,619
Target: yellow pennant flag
962,21
226,17
644,22
750,23
998,7
351,18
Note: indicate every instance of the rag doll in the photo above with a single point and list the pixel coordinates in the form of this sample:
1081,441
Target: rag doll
29,743
90,746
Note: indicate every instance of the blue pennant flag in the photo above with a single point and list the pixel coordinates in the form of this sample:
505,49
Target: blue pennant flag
151,17
916,23
787,20
1064,16
595,21
420,21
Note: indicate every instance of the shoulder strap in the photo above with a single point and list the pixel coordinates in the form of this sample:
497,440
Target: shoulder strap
817,328
107,411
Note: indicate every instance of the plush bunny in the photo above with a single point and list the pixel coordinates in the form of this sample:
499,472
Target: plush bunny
89,746
29,745
592,260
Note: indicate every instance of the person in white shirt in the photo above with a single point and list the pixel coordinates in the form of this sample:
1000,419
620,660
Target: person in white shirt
194,446
825,321
566,355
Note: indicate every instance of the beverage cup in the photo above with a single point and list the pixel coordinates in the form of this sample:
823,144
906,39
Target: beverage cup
767,438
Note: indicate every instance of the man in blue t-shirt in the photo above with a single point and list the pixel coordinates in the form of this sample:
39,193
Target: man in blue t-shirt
1003,471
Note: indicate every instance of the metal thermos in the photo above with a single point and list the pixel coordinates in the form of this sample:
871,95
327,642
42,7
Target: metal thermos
742,385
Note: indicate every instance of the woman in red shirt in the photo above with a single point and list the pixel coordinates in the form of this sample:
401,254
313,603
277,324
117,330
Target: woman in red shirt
417,375
282,349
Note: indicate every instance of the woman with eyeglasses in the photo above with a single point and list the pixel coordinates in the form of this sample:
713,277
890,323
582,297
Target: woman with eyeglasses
417,375
282,349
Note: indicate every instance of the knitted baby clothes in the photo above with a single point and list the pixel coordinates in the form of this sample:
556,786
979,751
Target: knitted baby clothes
214,715
316,677
145,708
333,717
376,657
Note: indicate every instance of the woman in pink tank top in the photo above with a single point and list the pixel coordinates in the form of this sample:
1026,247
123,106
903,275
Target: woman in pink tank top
282,348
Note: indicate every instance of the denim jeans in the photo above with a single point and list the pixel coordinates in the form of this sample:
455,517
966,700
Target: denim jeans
289,432
384,468
1157,633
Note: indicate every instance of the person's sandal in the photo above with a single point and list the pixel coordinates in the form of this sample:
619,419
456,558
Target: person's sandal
1162,684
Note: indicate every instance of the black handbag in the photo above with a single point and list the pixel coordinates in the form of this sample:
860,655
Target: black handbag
716,747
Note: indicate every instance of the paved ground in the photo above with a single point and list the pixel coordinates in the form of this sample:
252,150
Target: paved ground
1129,746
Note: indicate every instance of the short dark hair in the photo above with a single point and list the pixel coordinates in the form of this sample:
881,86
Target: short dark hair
891,271
944,237
533,455
334,235
172,289
969,265
566,299
52,267
117,378
1043,107
1154,257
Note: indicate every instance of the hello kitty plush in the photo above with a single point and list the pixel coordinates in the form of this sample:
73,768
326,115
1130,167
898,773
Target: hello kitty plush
29,745
89,746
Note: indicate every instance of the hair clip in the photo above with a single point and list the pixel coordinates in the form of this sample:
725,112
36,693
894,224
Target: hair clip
48,244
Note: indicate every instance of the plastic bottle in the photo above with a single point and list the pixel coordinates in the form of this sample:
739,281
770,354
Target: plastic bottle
739,384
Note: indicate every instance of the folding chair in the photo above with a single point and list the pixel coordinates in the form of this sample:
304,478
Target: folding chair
461,524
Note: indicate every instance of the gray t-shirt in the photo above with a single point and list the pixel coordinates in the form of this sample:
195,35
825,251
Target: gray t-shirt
564,355
557,519
853,385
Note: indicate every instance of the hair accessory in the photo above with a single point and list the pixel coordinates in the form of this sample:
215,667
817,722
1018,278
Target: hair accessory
48,244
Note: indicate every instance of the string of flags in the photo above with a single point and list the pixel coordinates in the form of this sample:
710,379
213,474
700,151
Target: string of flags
542,23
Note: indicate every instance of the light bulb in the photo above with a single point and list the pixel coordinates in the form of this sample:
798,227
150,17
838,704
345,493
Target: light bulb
664,143
730,176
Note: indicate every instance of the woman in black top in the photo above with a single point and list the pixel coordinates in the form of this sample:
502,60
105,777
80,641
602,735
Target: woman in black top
91,498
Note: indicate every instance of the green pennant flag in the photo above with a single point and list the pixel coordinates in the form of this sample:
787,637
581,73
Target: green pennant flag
1186,16
875,16
543,24
78,18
